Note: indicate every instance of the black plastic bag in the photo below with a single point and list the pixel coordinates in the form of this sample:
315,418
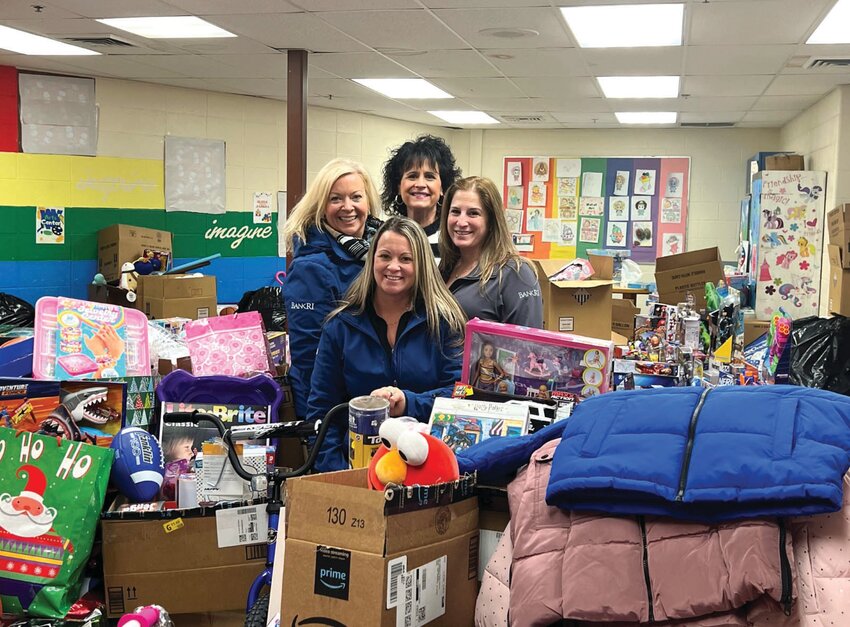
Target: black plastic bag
820,353
269,302
15,312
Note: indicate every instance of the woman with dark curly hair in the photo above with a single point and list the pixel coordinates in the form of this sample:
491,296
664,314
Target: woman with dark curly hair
415,177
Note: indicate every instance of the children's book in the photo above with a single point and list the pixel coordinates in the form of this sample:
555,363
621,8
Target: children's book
90,340
460,423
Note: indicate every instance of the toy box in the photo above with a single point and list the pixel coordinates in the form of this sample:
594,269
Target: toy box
460,423
535,363
120,243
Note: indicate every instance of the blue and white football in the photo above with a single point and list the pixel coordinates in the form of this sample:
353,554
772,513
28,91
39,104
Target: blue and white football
138,468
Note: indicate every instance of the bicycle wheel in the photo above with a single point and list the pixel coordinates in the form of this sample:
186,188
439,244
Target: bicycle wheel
258,615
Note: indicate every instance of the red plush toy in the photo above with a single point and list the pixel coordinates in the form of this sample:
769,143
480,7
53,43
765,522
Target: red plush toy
409,457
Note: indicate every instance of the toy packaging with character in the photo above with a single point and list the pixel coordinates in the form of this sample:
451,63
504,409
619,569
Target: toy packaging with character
531,362
460,423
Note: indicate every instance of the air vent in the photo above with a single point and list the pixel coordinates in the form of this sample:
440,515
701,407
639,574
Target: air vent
817,62
522,119
707,124
108,41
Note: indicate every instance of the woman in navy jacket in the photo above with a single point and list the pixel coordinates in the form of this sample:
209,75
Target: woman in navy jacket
397,335
328,233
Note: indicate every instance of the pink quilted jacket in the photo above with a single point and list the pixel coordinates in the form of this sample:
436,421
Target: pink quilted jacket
627,571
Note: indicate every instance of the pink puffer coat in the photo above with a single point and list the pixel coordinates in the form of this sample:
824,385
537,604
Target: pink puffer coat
590,568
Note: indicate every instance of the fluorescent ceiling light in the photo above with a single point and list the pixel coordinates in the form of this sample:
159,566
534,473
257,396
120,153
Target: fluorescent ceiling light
646,117
639,86
626,26
179,27
465,117
833,29
26,43
403,88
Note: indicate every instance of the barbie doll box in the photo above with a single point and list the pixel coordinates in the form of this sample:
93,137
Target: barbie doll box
536,363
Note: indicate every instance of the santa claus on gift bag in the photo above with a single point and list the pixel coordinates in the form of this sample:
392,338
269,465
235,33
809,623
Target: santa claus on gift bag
28,543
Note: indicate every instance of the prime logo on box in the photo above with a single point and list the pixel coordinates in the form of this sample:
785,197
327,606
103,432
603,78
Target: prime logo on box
331,577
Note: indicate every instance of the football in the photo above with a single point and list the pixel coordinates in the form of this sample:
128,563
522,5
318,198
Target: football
138,468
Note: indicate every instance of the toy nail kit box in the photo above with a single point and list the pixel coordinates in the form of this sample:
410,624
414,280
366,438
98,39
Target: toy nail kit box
532,362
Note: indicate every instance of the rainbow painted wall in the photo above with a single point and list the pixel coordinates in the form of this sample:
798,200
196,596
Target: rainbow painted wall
97,192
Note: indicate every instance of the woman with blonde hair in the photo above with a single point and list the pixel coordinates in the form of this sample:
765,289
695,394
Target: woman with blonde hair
328,232
478,260
397,335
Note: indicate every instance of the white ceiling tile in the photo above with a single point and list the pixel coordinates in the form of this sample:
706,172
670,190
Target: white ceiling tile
358,65
736,59
224,45
478,87
773,118
585,120
123,67
800,84
41,64
664,61
504,104
559,87
135,8
270,65
414,30
354,5
290,30
785,103
743,85
447,63
576,105
482,4
22,10
537,62
545,21
752,21
339,88
229,7
191,65
714,116
711,104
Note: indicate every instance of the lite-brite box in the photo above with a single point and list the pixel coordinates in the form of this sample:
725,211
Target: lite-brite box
535,363
460,423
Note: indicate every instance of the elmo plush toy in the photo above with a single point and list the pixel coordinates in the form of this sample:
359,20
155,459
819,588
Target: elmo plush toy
409,457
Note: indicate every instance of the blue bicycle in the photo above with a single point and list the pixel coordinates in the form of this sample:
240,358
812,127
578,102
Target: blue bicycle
258,603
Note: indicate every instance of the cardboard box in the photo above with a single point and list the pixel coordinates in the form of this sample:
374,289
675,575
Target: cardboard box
838,223
347,547
754,329
112,295
182,570
579,307
120,243
676,275
177,295
784,162
839,282
623,313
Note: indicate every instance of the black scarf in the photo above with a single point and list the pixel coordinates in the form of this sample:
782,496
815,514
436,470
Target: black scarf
357,247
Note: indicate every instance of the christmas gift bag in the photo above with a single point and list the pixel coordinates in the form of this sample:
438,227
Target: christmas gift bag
51,495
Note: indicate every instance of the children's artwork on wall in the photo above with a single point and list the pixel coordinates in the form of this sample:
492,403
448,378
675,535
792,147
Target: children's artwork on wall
642,234
515,197
645,182
514,219
537,195
589,230
523,242
534,220
568,168
567,208
674,243
551,230
671,211
641,208
591,184
621,183
568,187
602,189
618,208
514,173
673,188
568,233
591,206
616,237
540,169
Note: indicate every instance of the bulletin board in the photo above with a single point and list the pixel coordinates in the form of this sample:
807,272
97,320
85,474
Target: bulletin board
559,207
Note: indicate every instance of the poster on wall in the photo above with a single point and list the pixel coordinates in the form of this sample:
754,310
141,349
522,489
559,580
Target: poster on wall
640,205
50,225
263,209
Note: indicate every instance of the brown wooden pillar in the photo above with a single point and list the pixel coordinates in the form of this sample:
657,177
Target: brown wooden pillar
296,130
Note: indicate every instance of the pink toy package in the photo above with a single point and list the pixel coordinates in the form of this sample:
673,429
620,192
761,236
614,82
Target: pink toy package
79,339
518,360
231,345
